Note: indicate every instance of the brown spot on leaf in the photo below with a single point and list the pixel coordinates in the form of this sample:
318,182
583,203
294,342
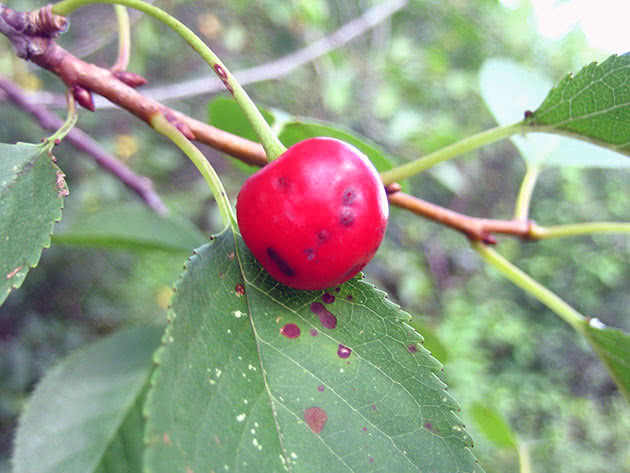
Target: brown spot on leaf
315,418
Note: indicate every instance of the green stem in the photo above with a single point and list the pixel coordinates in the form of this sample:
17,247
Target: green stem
163,126
124,38
524,459
455,149
71,120
575,229
524,198
273,147
530,285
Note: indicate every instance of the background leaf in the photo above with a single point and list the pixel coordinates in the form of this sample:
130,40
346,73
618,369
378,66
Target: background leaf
509,89
225,113
613,347
84,416
257,377
593,105
32,188
493,425
132,227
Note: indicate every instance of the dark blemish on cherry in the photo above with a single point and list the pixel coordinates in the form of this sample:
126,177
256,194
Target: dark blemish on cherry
282,182
328,298
315,418
412,348
314,332
343,351
349,297
322,235
310,254
290,330
346,217
240,290
280,263
320,388
327,319
349,196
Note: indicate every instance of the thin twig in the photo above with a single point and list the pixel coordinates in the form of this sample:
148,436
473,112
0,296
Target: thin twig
141,185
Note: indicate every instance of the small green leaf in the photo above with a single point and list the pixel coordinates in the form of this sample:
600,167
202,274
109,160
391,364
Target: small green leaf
594,105
32,188
256,377
224,113
84,416
613,348
493,425
132,227
509,89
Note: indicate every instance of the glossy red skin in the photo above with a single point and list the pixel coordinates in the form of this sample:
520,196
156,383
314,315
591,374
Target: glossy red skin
315,216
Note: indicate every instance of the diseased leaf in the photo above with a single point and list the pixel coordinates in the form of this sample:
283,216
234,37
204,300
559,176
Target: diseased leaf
509,89
593,105
257,377
84,415
132,227
32,188
613,347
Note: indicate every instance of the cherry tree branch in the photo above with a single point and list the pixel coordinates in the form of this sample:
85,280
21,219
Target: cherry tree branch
141,185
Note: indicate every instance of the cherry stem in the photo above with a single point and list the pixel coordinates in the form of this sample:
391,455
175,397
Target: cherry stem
124,39
531,286
467,144
71,120
523,200
273,147
161,124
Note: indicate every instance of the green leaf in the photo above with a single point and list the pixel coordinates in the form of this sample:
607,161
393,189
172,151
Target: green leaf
84,416
297,131
249,379
594,105
224,113
509,89
493,425
613,348
32,188
132,227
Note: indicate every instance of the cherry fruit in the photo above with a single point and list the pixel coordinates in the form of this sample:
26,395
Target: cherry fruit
314,217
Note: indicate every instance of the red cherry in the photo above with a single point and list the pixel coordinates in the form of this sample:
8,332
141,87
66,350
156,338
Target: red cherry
315,216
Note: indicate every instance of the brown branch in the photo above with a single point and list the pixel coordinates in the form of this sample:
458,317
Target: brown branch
75,72
141,185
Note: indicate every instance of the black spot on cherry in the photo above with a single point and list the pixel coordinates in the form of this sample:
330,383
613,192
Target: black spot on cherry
349,196
346,217
280,262
322,236
310,254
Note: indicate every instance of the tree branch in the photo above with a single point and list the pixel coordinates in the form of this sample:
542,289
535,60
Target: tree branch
141,185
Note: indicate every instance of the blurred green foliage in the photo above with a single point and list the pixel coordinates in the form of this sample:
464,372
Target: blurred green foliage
410,85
